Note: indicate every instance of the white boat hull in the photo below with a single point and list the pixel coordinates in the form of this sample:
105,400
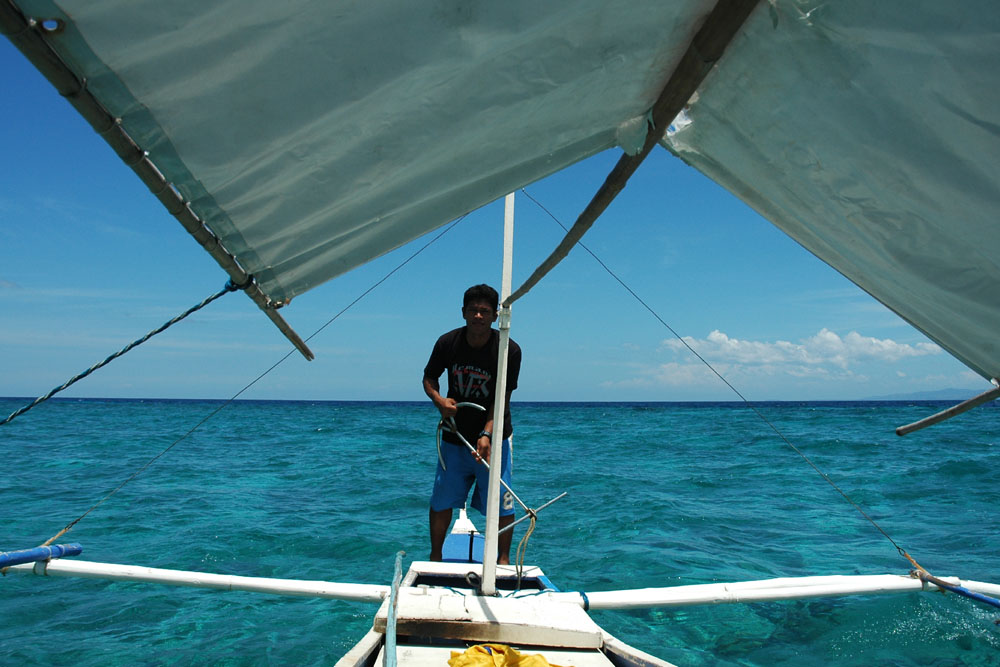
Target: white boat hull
439,612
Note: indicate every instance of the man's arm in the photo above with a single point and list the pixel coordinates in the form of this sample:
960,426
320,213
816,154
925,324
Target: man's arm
483,442
513,370
446,406
432,371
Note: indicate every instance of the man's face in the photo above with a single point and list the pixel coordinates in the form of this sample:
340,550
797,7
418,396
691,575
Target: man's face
479,315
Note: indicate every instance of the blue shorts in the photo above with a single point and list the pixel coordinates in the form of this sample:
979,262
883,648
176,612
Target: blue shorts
451,485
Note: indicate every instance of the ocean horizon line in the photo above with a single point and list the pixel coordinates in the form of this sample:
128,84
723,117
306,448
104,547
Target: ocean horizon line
791,402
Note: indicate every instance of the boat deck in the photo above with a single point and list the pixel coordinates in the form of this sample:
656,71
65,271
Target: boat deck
437,656
438,612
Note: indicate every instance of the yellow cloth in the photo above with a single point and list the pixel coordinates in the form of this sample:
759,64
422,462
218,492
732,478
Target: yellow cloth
496,655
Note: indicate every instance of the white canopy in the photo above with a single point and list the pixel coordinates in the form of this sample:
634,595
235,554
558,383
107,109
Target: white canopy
314,136
870,133
311,137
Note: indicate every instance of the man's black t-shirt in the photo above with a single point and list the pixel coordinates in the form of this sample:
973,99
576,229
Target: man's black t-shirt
471,379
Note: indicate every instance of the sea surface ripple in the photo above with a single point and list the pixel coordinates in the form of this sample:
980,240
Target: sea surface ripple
659,495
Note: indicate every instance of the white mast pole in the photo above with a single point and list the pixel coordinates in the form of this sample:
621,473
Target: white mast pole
499,402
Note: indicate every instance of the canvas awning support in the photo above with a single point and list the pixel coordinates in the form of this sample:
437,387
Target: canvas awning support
701,56
27,35
953,411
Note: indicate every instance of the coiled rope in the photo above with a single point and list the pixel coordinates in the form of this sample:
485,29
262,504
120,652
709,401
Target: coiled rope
230,287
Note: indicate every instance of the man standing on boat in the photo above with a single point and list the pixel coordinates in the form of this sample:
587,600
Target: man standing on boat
470,355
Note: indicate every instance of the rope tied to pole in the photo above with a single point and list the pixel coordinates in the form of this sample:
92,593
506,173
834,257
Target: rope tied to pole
522,546
230,287
233,287
923,575
944,586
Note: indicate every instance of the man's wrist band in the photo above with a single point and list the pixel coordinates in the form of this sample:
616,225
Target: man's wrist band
487,434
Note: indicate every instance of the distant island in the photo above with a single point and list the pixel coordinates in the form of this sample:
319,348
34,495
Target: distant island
936,395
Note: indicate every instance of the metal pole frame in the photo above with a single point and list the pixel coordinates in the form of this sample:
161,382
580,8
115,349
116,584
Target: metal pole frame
499,404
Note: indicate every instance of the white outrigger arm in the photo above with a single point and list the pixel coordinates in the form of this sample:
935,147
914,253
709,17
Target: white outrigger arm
765,590
770,590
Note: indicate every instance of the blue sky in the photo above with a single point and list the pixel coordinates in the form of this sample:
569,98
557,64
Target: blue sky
89,261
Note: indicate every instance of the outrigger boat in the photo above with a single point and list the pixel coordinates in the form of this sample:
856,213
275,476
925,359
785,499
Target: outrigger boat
296,141
439,609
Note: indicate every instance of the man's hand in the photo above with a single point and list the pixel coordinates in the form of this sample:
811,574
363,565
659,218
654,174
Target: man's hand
483,449
448,407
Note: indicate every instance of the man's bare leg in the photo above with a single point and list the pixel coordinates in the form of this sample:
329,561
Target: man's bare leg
503,542
440,521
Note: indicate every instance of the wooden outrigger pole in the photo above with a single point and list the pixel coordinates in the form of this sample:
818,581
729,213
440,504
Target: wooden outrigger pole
27,35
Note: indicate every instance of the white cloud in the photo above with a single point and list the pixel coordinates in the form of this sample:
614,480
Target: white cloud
670,375
826,348
694,375
971,376
825,365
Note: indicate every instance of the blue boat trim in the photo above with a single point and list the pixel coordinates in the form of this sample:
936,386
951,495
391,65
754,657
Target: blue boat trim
463,548
960,590
546,584
8,558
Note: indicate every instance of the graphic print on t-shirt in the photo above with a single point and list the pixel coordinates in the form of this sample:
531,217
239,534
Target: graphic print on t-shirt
471,381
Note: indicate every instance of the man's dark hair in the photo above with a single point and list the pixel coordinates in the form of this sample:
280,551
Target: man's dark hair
481,293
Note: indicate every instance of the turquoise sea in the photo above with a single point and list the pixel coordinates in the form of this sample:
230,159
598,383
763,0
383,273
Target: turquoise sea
659,495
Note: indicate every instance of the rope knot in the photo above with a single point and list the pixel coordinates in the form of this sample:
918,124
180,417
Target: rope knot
233,287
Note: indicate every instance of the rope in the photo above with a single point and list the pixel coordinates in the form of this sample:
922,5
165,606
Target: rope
386,276
252,383
960,590
746,402
522,547
230,287
925,576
